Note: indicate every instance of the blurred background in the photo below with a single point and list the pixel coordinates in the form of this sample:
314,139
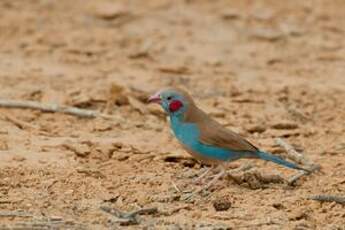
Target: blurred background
263,68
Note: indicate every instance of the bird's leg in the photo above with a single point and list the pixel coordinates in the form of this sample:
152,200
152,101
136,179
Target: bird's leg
202,175
209,184
216,177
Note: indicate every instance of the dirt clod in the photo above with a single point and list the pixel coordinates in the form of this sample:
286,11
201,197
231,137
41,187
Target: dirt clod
221,205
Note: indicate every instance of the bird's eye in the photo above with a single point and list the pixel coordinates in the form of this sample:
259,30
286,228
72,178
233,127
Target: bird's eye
169,98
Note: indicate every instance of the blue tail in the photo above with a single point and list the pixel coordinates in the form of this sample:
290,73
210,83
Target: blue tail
278,160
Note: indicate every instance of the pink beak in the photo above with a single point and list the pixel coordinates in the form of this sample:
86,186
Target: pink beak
155,99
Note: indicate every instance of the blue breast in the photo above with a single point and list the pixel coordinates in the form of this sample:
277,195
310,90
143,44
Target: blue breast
189,133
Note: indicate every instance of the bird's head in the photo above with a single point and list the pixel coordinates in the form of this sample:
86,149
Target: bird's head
174,101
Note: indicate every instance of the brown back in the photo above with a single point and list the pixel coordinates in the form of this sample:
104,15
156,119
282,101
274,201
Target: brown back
213,133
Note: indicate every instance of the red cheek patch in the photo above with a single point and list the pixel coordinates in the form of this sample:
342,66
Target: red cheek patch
175,105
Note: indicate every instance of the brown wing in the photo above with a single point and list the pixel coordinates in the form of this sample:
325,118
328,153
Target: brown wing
213,133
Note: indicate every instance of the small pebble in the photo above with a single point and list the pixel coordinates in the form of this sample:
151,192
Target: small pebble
221,205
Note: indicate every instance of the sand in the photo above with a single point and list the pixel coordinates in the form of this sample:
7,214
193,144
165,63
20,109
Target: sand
264,69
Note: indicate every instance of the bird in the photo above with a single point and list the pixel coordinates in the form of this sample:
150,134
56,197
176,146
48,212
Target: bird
205,138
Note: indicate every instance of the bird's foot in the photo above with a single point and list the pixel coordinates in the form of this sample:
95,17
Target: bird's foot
215,179
199,178
208,185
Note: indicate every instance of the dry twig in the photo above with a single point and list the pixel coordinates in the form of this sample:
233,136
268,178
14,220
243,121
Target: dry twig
252,226
15,214
328,198
20,124
295,177
19,104
175,186
298,158
292,153
128,218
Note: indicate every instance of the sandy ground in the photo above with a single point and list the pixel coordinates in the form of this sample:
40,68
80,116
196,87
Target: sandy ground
265,69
